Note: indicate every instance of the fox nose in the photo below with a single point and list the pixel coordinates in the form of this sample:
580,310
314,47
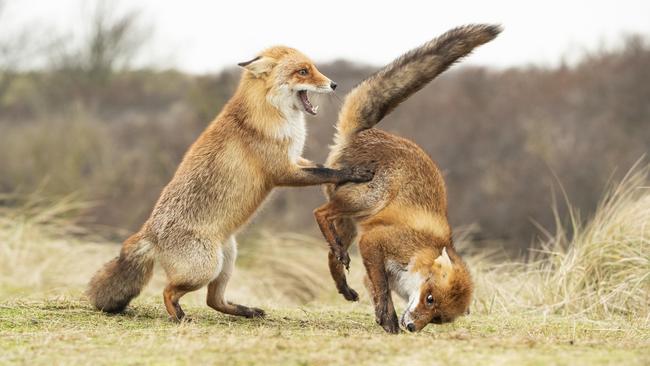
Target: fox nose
410,327
333,85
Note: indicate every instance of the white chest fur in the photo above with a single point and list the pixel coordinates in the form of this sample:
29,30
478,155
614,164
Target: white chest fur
403,281
294,128
295,131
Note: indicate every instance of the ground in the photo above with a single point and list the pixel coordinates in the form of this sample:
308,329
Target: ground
585,301
63,331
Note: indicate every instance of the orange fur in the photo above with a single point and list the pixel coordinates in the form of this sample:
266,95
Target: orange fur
400,217
252,146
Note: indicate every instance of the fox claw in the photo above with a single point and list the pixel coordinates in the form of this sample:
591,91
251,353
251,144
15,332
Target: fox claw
387,319
253,313
247,312
349,294
344,258
256,313
183,319
391,328
389,323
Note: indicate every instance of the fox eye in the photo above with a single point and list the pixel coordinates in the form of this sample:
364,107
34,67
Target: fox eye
303,72
429,300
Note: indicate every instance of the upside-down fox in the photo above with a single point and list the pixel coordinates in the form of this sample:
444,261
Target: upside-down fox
400,217
253,145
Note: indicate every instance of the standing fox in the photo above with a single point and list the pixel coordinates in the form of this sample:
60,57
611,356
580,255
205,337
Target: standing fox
253,145
401,215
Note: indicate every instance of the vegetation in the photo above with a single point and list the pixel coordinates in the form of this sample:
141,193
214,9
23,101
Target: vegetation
583,300
88,141
66,332
89,123
602,270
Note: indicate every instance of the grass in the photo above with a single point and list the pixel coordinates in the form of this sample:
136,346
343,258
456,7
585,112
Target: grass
582,299
602,269
63,331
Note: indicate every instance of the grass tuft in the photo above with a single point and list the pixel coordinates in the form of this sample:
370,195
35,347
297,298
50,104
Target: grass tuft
602,270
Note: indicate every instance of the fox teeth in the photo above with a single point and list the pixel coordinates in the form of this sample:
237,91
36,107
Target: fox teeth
315,109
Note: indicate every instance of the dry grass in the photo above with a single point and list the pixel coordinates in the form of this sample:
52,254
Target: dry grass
602,270
585,298
38,243
69,332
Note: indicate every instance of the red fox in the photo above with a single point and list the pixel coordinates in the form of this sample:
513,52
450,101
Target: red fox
401,215
253,145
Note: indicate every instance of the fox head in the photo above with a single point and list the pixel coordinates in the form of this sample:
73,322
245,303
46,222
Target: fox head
288,77
444,293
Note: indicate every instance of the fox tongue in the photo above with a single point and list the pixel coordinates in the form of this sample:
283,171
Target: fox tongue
306,103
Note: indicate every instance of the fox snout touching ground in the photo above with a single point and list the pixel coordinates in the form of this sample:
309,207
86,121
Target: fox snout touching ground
400,217
253,145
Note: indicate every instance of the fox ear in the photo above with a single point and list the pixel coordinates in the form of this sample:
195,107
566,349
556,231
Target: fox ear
443,260
259,65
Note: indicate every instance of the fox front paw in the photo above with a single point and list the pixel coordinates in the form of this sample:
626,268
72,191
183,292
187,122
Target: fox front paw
387,318
390,324
358,174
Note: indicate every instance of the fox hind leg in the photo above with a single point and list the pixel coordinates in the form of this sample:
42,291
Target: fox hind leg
171,295
217,288
351,201
347,231
188,271
326,216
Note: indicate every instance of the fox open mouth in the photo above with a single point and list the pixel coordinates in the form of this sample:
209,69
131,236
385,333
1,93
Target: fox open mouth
309,108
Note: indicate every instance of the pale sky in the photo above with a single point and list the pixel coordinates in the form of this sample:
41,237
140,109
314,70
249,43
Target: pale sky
206,36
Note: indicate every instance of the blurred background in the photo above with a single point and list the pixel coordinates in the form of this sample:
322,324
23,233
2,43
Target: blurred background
540,136
100,99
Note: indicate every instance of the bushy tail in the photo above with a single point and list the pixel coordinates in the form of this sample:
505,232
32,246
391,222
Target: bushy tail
120,280
379,94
